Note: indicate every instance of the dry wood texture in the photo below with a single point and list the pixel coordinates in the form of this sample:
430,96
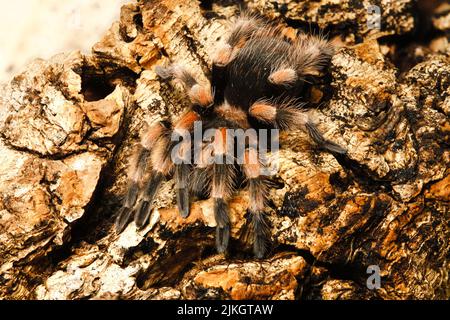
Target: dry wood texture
69,125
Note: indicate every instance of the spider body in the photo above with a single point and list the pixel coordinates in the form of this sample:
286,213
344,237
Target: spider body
258,80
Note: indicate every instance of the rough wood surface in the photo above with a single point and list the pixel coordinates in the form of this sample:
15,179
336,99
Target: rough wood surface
69,125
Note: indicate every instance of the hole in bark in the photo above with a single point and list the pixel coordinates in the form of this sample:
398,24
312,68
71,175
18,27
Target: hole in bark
139,22
94,86
362,174
340,183
177,259
276,183
208,4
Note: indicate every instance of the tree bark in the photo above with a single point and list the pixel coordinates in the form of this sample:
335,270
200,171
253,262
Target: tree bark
69,125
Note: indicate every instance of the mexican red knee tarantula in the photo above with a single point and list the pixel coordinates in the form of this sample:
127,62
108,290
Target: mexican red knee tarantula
258,79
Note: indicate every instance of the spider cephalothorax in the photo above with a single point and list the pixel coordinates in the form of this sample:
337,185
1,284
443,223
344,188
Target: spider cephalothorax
257,81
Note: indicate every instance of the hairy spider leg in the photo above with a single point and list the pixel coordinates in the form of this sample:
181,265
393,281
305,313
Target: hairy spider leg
289,115
140,162
200,95
243,29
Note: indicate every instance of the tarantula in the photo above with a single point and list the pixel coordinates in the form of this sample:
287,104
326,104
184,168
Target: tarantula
258,80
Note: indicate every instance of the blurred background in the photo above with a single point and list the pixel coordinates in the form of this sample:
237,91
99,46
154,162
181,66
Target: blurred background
41,28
